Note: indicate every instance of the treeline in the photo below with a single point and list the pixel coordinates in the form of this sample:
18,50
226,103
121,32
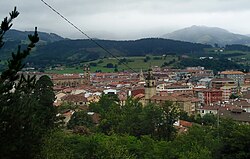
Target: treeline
237,47
230,141
217,64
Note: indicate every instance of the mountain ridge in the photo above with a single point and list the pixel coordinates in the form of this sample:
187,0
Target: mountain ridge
207,35
17,35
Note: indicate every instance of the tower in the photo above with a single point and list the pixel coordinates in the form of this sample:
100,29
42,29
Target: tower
141,76
150,87
87,74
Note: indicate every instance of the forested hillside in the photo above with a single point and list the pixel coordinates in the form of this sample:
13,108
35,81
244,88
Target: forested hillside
75,51
56,50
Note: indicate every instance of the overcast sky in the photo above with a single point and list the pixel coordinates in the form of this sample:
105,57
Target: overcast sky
128,19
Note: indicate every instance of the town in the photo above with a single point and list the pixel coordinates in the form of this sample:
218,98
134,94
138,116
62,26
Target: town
195,90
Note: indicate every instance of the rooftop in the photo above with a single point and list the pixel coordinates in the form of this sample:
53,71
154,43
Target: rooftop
231,72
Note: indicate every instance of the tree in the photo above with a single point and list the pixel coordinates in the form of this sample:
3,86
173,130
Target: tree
25,113
234,96
147,58
209,119
110,65
80,118
54,146
66,106
7,24
170,114
45,96
234,139
131,118
150,119
109,110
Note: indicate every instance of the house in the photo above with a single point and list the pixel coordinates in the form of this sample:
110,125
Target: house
77,99
182,126
208,110
187,104
238,115
58,100
110,91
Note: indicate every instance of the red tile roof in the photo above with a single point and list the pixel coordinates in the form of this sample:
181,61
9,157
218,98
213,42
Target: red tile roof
231,72
185,123
75,98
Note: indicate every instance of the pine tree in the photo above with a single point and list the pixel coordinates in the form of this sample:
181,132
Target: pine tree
26,105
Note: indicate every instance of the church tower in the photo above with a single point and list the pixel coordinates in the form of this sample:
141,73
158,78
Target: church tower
141,76
150,86
87,74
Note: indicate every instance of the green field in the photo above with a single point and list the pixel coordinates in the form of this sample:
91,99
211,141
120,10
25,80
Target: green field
136,63
3,62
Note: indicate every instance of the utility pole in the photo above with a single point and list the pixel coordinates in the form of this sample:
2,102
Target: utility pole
218,121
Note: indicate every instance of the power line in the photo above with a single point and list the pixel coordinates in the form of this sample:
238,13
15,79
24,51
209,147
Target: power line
91,39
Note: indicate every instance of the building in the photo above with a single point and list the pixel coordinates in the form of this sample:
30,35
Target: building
217,83
76,99
227,91
208,96
238,115
150,87
237,76
72,80
204,82
187,104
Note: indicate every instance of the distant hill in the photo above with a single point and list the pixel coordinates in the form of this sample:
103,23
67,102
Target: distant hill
75,51
53,49
13,38
208,35
16,35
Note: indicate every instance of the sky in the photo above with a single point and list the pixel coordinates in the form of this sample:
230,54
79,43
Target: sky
128,19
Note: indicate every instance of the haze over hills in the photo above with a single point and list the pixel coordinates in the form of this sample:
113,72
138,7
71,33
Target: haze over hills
208,35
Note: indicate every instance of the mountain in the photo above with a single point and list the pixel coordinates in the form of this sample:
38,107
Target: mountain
208,35
16,35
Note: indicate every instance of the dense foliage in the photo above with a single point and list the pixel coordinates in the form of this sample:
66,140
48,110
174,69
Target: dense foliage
133,131
216,65
237,47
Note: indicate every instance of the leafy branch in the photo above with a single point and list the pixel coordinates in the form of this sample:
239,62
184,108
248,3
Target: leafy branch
15,64
6,24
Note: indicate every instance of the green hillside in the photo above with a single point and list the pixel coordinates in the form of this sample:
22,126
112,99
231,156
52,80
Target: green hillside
76,51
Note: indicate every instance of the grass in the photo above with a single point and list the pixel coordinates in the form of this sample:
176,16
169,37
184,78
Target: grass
136,63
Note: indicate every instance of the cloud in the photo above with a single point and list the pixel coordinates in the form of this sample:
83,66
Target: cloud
128,19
